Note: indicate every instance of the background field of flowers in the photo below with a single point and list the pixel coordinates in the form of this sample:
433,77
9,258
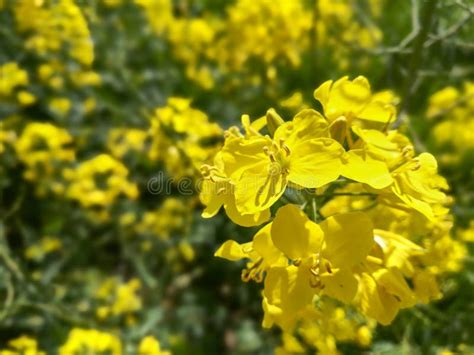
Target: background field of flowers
105,102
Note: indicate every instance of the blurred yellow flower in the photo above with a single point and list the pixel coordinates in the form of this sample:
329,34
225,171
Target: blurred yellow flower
43,148
11,76
150,346
45,246
60,105
99,181
67,28
90,341
23,345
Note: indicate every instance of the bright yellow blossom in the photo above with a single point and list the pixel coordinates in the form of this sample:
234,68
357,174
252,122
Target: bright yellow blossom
43,147
91,341
11,76
99,182
23,345
182,137
150,346
354,100
67,27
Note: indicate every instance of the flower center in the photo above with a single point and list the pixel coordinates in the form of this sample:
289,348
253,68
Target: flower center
279,155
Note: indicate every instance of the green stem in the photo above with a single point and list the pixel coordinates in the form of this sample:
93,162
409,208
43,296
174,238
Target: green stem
417,52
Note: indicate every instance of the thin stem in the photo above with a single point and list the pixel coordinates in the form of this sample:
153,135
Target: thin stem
314,209
415,61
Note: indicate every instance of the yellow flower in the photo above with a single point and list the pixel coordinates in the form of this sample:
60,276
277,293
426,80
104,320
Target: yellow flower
23,345
85,78
158,12
67,28
261,252
122,140
301,154
173,217
217,190
26,98
294,102
369,250
45,246
99,182
118,298
149,345
364,336
354,100
278,34
442,100
11,76
43,147
328,251
90,340
7,137
61,105
426,287
417,185
291,346
182,137
453,132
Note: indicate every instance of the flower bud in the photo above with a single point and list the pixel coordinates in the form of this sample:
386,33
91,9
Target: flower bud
274,120
338,129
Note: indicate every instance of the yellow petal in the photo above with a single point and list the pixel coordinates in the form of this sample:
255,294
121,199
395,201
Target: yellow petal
210,198
288,289
361,167
347,97
378,111
245,220
307,124
294,234
341,285
231,250
348,239
393,282
322,93
258,189
315,163
375,302
420,187
426,287
376,138
239,155
263,245
274,120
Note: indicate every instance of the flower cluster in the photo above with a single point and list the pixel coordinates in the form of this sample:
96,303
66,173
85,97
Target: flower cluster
22,345
93,341
99,182
14,80
54,25
258,38
360,219
44,149
110,110
80,341
182,137
172,217
452,110
118,299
